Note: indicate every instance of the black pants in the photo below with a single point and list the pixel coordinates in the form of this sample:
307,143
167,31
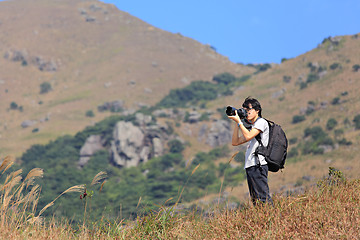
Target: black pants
258,184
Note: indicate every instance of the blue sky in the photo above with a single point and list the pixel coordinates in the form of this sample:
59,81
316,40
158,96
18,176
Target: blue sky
248,31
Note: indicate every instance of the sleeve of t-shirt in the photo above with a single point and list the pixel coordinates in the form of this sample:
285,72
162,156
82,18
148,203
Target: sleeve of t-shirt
260,124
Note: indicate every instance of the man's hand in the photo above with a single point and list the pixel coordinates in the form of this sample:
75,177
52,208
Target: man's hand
235,118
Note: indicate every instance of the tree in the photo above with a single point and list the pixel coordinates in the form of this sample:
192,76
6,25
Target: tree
45,87
175,146
13,105
331,124
357,121
225,78
89,113
356,67
298,118
335,66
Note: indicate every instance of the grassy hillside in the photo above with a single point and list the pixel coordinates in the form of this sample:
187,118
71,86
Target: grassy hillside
90,53
63,59
329,210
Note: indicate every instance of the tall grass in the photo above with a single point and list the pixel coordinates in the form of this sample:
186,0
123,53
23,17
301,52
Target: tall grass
331,210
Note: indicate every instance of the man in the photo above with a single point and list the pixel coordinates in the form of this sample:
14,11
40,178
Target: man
255,165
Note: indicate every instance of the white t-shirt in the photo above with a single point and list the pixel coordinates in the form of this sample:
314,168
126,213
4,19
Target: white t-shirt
250,158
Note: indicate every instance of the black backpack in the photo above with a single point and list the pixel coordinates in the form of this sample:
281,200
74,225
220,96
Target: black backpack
276,150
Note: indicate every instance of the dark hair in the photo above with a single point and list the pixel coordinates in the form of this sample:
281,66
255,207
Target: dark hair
254,104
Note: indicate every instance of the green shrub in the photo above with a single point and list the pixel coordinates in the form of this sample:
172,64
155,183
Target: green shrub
339,132
224,78
298,118
89,113
293,140
316,133
45,87
312,77
13,105
240,157
175,146
335,66
356,67
356,120
191,94
331,124
312,67
286,79
326,141
312,148
292,153
335,101
262,67
303,85
347,122
204,117
345,142
234,175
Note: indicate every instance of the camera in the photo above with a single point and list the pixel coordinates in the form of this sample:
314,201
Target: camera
230,111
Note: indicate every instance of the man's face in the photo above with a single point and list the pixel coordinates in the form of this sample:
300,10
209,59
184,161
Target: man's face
251,113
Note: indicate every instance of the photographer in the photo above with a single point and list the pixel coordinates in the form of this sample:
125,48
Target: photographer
255,165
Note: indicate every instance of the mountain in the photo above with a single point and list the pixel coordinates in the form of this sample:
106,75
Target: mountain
62,59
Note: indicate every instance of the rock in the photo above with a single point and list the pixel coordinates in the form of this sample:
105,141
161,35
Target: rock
323,105
92,144
202,132
90,19
219,133
158,147
43,65
127,144
114,106
279,93
95,8
136,143
16,55
161,113
194,117
28,123
143,119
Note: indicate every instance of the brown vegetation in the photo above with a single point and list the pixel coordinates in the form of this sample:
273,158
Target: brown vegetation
331,210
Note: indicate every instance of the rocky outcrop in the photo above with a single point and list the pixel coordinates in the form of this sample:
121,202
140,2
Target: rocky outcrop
92,144
44,65
28,123
114,106
127,144
219,133
143,138
137,142
133,142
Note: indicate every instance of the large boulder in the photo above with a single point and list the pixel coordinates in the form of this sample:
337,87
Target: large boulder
92,144
138,143
127,144
219,134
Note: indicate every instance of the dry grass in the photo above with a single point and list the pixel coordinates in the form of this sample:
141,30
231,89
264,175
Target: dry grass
331,210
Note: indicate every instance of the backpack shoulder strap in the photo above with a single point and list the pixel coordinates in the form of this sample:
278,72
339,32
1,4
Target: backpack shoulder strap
258,137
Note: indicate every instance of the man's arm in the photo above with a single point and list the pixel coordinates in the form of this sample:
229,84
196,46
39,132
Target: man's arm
245,136
248,135
236,139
